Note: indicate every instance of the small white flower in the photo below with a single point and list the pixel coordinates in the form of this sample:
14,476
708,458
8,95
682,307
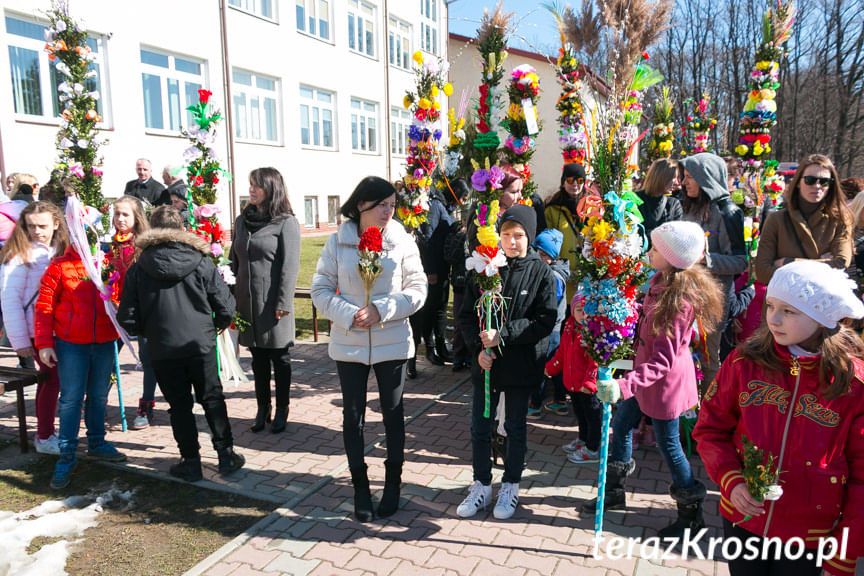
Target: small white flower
94,94
227,275
82,143
775,491
78,88
60,25
65,143
48,34
63,68
191,154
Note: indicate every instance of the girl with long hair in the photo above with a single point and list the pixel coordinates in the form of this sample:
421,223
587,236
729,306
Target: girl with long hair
39,236
795,389
265,258
663,383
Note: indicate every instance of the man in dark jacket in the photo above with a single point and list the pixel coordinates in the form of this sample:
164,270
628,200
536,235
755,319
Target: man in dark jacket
144,187
174,296
175,188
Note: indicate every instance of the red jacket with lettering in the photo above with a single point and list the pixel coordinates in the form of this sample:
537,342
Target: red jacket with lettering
69,306
821,462
580,371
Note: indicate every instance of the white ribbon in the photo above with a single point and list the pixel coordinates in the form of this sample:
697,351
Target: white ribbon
76,215
229,367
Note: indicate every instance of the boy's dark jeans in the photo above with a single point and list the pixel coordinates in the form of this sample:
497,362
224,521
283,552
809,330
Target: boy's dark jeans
515,410
174,377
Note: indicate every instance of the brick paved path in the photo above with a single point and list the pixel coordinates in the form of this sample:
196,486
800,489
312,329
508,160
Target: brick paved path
304,470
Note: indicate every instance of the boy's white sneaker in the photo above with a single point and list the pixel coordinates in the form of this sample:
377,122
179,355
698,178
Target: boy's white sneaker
478,498
573,446
50,445
508,498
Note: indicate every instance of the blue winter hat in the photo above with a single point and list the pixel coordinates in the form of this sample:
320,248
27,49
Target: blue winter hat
550,241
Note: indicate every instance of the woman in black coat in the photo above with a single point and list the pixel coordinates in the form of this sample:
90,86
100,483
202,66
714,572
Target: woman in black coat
658,204
265,258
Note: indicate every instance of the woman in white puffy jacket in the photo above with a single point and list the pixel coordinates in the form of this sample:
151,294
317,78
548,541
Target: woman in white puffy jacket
39,235
377,336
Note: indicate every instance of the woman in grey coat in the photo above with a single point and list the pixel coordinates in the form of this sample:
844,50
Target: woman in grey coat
265,258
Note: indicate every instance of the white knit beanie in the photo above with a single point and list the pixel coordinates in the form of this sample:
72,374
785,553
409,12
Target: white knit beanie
823,293
681,243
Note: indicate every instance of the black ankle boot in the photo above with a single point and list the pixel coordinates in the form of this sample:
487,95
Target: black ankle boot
412,368
261,418
188,469
229,461
392,484
279,419
616,483
690,516
362,495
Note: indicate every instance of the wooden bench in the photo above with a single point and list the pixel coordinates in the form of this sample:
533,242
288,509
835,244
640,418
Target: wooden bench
307,293
17,379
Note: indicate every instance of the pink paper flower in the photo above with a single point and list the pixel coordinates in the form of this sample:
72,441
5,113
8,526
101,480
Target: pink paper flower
216,249
206,211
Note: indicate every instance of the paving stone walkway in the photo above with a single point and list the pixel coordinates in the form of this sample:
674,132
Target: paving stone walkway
304,470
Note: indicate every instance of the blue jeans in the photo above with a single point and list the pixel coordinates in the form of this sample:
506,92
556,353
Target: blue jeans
515,410
84,370
668,442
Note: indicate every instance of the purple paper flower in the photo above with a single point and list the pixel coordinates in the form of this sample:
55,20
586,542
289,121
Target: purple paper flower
479,179
496,176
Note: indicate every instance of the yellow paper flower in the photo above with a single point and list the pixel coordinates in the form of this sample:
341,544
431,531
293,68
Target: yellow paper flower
407,101
665,146
436,105
434,91
741,149
487,236
448,89
418,57
424,103
767,94
601,231
763,65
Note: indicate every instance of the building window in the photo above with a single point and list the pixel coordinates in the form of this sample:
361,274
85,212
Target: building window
429,26
256,106
361,27
364,125
35,79
400,123
263,8
310,205
313,17
317,110
170,85
399,42
333,205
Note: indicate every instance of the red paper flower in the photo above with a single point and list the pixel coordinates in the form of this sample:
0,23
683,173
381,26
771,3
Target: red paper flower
645,55
204,95
371,240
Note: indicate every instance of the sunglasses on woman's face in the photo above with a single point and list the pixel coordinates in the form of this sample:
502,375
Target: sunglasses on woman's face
812,180
571,180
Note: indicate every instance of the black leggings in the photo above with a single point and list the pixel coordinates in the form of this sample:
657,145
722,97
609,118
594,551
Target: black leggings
353,378
758,567
280,358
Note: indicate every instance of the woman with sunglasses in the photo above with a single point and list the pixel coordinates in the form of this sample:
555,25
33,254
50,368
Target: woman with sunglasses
561,214
815,224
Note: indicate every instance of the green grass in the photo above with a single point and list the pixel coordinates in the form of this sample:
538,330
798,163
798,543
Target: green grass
310,249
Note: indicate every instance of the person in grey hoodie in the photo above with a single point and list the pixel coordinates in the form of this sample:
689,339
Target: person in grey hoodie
706,201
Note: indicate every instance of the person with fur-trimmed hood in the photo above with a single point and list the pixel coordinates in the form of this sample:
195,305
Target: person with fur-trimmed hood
174,296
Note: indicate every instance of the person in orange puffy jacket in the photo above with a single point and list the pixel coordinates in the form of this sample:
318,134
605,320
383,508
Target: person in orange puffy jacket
795,390
73,331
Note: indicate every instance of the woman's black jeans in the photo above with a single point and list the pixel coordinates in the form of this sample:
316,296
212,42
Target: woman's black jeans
280,358
353,379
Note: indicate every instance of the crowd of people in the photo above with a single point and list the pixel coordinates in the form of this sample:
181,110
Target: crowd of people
766,350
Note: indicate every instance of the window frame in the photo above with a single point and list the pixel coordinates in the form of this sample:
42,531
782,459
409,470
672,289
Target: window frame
360,124
400,123
395,29
316,215
304,29
237,89
312,103
356,16
335,213
48,93
429,23
255,10
177,75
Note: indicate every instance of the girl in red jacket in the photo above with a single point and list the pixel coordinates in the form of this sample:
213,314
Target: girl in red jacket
130,222
580,380
73,332
796,390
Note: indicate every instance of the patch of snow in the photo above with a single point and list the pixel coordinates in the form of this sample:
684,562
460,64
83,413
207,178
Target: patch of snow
66,519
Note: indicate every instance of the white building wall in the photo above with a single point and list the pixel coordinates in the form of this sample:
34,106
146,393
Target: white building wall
272,47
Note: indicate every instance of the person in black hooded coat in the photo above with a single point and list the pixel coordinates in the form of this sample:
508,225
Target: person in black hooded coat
174,296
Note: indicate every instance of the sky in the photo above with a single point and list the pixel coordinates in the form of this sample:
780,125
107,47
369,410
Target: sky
535,27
